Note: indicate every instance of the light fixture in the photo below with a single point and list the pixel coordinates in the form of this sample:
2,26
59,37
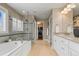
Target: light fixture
71,6
64,12
68,8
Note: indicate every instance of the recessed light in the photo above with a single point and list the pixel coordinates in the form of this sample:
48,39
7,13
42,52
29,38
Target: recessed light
38,22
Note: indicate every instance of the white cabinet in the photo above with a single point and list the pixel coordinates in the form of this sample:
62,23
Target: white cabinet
65,47
55,43
74,46
73,49
73,52
61,45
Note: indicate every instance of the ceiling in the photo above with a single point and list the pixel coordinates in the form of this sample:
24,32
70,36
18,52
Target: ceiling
40,10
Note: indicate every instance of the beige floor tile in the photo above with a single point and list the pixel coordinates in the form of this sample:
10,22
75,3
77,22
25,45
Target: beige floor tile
41,48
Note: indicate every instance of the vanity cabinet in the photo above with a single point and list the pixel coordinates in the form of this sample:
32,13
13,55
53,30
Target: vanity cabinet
73,52
73,48
65,47
61,45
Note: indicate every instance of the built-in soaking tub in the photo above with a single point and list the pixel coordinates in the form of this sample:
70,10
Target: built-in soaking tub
15,48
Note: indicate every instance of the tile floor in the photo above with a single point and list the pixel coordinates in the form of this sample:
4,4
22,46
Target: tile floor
41,48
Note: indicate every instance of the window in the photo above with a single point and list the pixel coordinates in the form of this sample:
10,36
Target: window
3,21
20,27
14,23
17,24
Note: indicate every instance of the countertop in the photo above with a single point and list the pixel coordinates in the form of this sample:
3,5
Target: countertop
69,37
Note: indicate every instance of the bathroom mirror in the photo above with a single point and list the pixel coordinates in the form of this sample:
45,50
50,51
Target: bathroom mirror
76,26
76,20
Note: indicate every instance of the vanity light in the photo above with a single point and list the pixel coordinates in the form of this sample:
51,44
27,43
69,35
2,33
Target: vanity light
71,6
68,8
64,12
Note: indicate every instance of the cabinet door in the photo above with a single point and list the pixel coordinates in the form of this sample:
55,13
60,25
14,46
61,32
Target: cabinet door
57,44
73,52
61,45
64,50
73,48
64,46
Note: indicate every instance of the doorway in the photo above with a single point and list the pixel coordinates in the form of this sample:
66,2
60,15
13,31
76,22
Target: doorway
40,30
40,33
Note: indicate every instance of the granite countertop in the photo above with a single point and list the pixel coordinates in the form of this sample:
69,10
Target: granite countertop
69,37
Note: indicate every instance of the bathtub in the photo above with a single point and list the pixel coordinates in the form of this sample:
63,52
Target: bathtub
15,48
